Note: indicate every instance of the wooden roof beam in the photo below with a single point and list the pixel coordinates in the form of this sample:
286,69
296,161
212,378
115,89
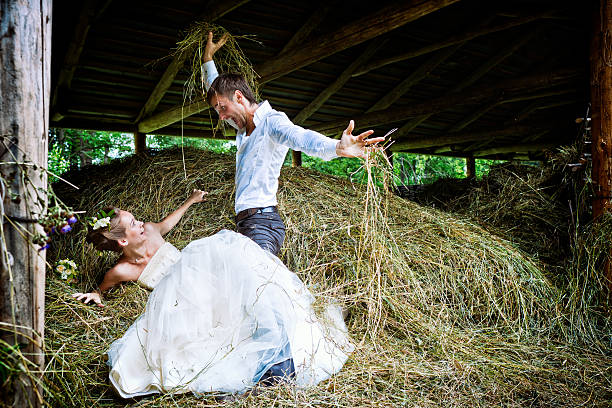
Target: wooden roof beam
380,22
516,148
463,137
308,27
64,79
473,77
471,95
342,79
356,32
170,116
415,77
458,39
215,10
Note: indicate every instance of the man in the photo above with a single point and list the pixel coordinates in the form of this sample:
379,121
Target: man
263,138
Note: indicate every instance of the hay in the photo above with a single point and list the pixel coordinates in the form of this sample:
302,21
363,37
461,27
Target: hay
229,58
460,317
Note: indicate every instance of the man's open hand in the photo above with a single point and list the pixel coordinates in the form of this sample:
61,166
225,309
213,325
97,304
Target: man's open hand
354,146
212,47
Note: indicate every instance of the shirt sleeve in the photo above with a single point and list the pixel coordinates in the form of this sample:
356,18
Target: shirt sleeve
209,73
285,132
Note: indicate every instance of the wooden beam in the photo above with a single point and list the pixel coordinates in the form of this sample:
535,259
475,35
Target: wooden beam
71,59
481,71
140,142
215,10
470,168
601,117
171,116
457,39
471,95
517,148
309,26
25,67
342,79
415,77
380,22
463,137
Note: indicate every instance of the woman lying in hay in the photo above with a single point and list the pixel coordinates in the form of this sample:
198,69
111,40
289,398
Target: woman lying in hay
223,316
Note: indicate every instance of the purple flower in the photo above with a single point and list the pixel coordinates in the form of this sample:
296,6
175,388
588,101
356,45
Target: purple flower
53,230
66,228
46,246
72,219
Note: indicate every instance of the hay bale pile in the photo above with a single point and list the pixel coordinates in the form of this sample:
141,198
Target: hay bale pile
450,315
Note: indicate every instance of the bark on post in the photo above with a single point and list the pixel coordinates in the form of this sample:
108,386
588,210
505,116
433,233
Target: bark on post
601,119
470,167
140,142
296,158
25,41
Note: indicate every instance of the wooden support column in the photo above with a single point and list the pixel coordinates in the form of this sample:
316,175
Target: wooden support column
601,101
140,142
470,168
296,158
25,41
601,118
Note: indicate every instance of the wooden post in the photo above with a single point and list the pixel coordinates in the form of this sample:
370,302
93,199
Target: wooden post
470,168
296,158
140,142
25,41
601,118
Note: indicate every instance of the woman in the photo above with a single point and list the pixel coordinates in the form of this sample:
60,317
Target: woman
223,316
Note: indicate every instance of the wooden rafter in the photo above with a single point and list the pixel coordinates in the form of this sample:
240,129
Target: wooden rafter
466,121
215,10
171,116
308,27
471,95
458,39
516,148
463,137
71,59
380,22
374,25
415,77
342,79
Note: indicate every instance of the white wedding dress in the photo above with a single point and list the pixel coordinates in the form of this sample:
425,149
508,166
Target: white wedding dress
222,312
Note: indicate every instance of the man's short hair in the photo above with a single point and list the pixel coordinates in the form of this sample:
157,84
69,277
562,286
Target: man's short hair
226,84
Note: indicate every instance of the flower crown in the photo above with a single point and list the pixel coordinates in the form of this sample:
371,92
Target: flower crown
101,220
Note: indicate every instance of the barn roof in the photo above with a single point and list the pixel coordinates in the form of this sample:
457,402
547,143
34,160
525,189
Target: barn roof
465,78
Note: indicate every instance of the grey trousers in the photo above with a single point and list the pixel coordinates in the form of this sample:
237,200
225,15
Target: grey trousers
266,229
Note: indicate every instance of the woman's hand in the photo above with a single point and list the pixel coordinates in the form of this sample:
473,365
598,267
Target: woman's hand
197,196
88,297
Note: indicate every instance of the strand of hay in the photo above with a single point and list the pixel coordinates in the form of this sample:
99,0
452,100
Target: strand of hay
229,58
465,318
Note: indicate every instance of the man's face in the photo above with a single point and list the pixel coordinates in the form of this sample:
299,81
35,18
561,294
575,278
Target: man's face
230,109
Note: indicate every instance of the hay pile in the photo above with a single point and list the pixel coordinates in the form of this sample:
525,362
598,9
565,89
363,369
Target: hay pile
460,317
524,204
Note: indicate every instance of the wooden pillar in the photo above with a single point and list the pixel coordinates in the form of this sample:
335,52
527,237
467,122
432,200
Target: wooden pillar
601,105
296,158
25,41
140,142
470,167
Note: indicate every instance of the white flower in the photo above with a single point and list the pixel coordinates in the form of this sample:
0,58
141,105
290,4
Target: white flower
101,223
61,268
64,275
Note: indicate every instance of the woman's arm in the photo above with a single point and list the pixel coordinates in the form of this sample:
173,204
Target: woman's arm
111,278
165,225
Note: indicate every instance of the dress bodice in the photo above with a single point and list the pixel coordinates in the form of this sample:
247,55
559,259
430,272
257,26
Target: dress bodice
159,265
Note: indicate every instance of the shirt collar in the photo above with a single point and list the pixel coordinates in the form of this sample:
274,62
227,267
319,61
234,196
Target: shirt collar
261,112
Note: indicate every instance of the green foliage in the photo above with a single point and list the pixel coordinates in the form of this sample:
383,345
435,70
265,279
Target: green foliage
408,168
73,149
166,142
69,149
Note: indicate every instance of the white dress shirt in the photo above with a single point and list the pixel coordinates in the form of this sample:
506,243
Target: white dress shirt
261,154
